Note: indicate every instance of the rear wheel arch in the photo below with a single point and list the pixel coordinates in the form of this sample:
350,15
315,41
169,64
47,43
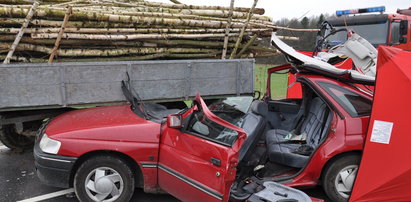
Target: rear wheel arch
138,175
338,175
335,158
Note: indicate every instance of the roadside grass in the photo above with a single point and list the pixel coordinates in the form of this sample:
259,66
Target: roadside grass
278,83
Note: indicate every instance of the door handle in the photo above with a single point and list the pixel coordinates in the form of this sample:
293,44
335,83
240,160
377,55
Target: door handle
215,161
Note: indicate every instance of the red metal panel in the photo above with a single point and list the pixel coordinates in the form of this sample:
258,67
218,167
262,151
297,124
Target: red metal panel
386,152
185,168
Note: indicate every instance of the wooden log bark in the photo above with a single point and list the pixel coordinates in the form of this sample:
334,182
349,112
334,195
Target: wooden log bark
259,11
60,34
15,2
109,52
21,32
71,24
124,30
175,1
71,43
52,13
220,15
240,37
227,30
275,28
104,44
264,55
192,55
215,44
114,29
126,58
15,58
246,46
127,37
69,3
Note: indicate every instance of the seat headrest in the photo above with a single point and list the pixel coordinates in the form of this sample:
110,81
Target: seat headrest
259,107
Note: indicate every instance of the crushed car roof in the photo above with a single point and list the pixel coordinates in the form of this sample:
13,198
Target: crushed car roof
305,63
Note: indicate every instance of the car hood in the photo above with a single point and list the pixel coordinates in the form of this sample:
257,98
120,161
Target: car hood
103,123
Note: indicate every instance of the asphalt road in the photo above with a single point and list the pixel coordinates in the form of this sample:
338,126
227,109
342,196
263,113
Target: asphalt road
18,182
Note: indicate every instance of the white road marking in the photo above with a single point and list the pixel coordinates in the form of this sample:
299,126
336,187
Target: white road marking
48,196
3,147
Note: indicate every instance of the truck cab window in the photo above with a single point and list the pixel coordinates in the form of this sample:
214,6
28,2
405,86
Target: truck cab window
395,33
376,34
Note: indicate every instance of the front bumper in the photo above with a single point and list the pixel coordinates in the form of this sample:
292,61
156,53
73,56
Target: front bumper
53,170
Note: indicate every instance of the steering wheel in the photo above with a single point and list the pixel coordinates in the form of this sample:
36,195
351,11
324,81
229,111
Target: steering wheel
320,41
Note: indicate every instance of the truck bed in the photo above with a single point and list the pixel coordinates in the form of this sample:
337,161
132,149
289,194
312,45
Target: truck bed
40,86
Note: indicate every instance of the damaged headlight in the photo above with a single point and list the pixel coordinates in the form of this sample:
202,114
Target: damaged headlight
48,145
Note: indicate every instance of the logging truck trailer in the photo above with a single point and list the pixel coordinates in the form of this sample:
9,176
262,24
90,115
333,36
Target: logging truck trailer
31,93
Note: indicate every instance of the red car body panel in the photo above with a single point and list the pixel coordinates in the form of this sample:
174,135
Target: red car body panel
111,128
190,157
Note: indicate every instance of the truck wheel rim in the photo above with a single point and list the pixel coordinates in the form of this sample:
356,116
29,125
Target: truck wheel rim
345,180
104,184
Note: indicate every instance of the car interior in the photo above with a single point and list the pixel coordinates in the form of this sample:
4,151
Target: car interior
281,137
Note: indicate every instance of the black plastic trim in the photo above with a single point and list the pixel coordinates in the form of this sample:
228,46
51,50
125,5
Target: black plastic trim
53,170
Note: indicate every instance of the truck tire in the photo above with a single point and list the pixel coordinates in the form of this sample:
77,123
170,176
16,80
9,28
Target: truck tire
104,178
340,176
13,140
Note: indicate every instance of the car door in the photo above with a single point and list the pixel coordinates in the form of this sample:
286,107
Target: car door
198,162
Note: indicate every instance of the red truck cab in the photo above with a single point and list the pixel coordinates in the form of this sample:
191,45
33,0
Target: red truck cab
378,29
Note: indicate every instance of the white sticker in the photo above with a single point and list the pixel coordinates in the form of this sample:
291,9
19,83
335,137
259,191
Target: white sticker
381,132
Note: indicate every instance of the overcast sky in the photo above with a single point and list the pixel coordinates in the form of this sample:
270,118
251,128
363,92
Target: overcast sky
296,8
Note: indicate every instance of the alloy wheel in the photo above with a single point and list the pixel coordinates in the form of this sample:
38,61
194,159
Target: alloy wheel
104,184
345,180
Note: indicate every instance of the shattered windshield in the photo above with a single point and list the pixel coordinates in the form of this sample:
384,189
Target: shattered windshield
374,33
232,109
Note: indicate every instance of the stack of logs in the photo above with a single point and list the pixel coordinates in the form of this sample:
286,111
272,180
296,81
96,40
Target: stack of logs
103,30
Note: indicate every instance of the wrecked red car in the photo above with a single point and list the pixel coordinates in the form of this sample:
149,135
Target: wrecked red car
228,149
216,152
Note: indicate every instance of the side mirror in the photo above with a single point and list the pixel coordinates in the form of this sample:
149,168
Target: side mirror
174,121
403,27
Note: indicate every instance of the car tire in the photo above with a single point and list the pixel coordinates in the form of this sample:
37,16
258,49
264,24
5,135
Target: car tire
11,139
339,177
104,178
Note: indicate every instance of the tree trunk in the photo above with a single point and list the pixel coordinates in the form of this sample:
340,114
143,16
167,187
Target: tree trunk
240,37
175,1
53,13
127,37
71,24
123,30
227,30
60,34
110,52
246,46
259,11
21,32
